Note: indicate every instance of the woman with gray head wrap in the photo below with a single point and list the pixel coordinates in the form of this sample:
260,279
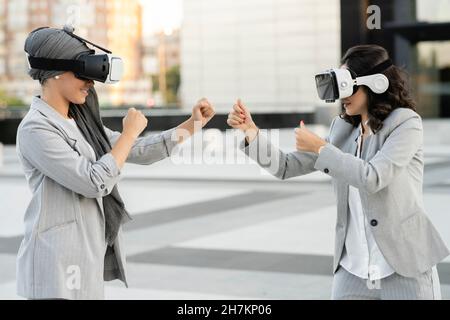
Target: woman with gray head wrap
73,164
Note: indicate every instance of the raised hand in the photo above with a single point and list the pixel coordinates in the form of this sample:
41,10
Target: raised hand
241,118
306,140
203,111
134,123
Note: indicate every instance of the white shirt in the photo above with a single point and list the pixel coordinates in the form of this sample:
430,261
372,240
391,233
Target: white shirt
361,256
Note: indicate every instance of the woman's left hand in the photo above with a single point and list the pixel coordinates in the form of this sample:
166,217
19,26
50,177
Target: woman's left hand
203,111
308,141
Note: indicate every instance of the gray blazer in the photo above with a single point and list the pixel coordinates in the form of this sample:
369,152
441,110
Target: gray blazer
389,178
63,250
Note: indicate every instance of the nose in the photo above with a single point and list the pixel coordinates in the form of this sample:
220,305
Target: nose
90,83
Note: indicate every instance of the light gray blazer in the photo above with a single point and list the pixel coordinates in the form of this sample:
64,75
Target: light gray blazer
389,178
63,250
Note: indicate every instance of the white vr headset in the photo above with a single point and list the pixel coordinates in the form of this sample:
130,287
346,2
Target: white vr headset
341,83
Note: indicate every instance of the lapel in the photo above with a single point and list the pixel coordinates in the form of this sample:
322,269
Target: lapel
366,145
72,134
349,146
352,144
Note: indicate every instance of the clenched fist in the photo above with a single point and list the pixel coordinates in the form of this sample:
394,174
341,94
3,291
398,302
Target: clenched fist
134,123
240,118
203,111
307,141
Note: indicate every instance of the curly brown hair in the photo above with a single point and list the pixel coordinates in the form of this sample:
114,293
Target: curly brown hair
362,58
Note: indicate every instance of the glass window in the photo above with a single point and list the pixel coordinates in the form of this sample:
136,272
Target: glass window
431,78
433,11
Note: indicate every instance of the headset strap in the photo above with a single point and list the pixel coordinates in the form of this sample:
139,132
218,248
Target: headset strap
76,66
87,41
378,68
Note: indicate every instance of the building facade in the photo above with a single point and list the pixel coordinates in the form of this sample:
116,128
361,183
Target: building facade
263,51
417,35
113,24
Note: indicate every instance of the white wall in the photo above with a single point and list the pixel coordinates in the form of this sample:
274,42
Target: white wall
264,51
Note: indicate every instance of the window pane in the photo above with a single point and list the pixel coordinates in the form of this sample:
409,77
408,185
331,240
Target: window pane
431,77
433,11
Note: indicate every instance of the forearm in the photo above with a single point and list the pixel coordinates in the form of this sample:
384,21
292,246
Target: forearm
278,163
122,148
251,133
369,176
186,129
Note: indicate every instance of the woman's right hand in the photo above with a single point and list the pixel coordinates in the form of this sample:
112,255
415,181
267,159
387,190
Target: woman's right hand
134,123
241,118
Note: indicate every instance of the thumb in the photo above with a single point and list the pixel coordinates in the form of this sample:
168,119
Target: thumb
302,125
239,103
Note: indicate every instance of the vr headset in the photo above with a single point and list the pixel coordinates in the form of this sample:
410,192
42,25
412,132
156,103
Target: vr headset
341,83
106,68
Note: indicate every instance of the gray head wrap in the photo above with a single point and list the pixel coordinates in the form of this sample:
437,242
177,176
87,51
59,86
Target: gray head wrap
52,43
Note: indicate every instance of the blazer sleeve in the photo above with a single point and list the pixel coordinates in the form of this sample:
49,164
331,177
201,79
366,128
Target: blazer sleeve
46,150
278,163
149,149
373,175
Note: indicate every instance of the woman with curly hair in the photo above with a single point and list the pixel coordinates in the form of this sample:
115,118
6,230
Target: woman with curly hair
386,247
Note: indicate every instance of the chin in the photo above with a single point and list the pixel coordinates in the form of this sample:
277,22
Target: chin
349,113
352,112
79,100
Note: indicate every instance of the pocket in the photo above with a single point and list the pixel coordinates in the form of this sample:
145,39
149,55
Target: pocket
72,143
58,227
410,224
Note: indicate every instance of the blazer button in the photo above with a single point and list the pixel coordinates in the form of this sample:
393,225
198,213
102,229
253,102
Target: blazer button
373,223
326,170
102,186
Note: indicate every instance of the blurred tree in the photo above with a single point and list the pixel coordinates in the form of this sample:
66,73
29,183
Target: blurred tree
7,100
155,83
173,84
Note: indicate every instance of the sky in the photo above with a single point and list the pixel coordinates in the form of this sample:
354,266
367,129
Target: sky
161,15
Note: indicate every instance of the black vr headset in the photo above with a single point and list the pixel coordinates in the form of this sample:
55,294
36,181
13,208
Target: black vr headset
341,83
106,68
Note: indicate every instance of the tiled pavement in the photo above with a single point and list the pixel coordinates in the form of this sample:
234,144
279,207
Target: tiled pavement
226,231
